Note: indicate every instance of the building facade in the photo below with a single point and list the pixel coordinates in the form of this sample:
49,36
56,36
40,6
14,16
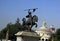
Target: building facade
44,32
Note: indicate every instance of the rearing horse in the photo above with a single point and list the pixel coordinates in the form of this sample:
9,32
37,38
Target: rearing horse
31,21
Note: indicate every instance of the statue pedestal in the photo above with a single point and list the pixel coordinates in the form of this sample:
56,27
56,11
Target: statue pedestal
27,36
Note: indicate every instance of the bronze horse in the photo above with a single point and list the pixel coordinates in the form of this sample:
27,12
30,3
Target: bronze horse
31,21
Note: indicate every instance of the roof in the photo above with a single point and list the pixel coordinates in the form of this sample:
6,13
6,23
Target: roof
25,33
43,28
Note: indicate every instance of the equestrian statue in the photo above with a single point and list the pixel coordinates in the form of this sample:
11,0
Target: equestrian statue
30,20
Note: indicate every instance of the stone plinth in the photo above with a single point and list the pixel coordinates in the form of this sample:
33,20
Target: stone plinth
27,36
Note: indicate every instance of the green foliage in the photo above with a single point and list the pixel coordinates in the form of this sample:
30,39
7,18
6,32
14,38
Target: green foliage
57,36
58,31
12,28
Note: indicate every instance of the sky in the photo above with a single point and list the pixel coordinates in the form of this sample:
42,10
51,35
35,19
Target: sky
48,10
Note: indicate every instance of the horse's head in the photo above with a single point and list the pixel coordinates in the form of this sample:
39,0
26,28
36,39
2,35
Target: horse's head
35,18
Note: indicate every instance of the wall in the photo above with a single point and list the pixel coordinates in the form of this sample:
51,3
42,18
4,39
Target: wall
27,39
30,39
5,40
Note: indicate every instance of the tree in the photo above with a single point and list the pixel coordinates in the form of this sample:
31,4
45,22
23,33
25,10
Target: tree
12,28
57,36
18,24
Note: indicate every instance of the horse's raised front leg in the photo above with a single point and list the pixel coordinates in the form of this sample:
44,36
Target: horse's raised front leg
36,24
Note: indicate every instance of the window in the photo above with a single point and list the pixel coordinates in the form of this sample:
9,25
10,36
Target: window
42,39
39,39
46,40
